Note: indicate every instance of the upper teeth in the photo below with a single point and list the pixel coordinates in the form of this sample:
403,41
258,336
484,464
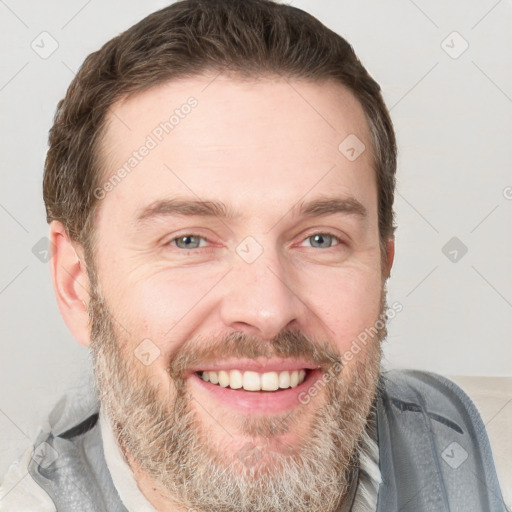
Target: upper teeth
253,381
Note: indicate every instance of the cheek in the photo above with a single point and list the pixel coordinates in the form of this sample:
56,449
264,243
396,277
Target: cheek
348,303
165,308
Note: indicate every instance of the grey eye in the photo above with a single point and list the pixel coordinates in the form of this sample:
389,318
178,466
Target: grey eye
188,242
323,240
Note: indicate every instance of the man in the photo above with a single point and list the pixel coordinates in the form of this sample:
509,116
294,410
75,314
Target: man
219,187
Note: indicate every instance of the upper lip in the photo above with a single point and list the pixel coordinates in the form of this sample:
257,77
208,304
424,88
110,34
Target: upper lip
255,365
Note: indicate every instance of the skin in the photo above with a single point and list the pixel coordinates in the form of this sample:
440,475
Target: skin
261,147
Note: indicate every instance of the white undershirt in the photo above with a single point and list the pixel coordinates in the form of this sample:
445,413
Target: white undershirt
121,473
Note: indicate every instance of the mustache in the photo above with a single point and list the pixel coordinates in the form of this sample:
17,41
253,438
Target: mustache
287,344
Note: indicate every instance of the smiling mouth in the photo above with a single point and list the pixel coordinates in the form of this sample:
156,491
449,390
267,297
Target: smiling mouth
254,381
256,388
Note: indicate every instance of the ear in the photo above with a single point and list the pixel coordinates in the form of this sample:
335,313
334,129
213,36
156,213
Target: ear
70,282
390,245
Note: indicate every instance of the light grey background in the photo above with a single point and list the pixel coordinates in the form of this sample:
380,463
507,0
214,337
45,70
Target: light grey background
453,118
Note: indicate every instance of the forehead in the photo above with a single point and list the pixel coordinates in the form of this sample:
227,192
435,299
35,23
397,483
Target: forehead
259,143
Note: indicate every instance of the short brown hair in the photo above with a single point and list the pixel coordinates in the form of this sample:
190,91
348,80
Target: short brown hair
250,37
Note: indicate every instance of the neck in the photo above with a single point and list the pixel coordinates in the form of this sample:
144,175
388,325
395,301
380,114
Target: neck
152,491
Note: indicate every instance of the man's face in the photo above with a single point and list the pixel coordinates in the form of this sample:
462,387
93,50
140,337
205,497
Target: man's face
268,291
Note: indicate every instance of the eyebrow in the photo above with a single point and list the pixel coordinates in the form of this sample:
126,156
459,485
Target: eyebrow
212,208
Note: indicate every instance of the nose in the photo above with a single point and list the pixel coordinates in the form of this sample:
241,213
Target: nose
258,298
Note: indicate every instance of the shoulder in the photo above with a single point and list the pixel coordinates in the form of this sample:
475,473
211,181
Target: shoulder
18,490
415,389
430,429
72,415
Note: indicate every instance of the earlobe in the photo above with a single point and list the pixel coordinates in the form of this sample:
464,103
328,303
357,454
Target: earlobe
390,255
70,282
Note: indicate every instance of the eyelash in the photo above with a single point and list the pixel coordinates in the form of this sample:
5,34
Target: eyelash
335,237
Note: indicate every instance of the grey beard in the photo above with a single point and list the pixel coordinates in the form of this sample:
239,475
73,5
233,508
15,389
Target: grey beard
167,443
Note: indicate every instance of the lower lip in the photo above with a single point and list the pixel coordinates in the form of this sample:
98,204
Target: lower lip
260,401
